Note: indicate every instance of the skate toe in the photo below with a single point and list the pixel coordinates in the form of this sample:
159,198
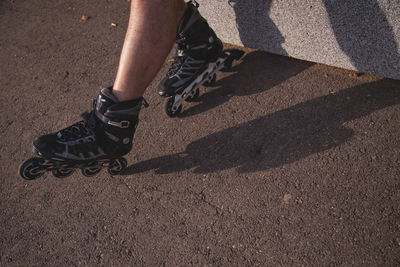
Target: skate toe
45,144
162,88
168,87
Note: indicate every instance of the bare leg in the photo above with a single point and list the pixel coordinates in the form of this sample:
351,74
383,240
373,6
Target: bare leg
150,36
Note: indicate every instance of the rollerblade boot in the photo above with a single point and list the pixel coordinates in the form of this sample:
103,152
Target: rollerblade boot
199,56
99,140
196,47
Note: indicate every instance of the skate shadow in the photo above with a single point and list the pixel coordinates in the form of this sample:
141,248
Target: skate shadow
280,138
256,72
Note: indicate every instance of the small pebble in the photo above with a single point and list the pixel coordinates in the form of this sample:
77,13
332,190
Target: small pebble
287,198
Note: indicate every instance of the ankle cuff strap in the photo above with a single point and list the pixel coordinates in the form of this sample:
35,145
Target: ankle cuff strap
106,120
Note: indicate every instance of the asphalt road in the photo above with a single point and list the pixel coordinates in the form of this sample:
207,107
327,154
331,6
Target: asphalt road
282,162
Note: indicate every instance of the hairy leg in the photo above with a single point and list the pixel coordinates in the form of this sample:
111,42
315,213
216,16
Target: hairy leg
149,38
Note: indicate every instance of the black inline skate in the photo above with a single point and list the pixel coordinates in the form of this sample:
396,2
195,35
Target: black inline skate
99,140
199,55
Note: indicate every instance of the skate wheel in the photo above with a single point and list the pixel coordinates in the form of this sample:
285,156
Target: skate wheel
117,166
211,80
170,109
90,171
62,173
194,96
31,169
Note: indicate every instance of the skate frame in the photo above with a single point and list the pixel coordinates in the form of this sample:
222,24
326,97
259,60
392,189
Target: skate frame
223,63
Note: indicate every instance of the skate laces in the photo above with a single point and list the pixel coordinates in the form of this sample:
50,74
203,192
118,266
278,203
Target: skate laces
177,62
180,57
80,129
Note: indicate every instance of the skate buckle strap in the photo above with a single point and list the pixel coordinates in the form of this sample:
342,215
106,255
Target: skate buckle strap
120,124
195,3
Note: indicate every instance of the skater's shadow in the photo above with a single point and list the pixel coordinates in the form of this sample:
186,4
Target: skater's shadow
364,33
256,28
280,138
256,72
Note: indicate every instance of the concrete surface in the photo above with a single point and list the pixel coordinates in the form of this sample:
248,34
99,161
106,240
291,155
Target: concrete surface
356,35
282,163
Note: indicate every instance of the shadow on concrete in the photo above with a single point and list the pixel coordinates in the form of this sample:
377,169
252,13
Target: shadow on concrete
364,34
280,138
255,28
360,28
257,72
